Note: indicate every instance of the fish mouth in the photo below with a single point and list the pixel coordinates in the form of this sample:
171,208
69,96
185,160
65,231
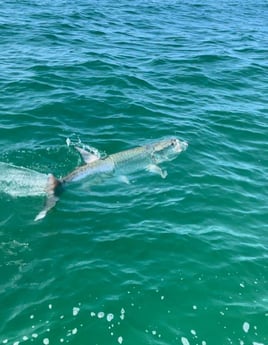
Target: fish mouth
181,145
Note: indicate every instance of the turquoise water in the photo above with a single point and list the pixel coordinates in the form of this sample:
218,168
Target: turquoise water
176,261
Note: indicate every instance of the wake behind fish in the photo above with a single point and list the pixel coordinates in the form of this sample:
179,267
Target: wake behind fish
21,182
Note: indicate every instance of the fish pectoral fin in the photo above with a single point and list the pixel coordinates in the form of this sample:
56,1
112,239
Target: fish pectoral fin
89,156
153,168
51,199
124,179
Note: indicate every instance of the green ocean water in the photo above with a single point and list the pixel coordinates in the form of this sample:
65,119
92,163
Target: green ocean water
181,260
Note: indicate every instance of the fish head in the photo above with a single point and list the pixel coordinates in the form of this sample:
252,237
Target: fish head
168,149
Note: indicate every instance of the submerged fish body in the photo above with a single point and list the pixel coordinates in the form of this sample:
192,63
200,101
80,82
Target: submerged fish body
121,164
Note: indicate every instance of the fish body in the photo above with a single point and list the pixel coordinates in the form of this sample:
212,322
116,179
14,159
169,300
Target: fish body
97,169
129,161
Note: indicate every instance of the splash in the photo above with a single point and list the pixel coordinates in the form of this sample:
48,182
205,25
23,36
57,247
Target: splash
20,182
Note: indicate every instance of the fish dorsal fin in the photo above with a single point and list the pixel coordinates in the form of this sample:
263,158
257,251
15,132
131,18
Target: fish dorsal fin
89,156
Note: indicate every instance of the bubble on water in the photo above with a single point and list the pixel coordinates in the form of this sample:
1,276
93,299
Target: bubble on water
122,316
194,307
193,332
61,340
120,340
62,317
5,341
74,331
75,311
162,297
16,343
246,327
50,306
35,335
242,285
255,343
25,338
100,314
109,317
153,332
45,341
31,316
203,342
184,341
92,314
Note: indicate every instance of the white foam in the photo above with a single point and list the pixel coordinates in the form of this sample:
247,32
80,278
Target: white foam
5,341
16,343
109,317
246,327
122,316
100,314
184,341
76,310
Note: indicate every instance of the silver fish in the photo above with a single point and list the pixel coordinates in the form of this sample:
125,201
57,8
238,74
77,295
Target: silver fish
97,169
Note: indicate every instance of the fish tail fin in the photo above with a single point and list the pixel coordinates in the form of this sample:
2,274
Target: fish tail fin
51,199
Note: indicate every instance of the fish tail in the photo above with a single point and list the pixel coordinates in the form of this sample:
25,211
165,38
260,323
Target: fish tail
53,185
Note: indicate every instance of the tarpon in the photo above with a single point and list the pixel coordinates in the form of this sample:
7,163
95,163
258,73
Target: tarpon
96,169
